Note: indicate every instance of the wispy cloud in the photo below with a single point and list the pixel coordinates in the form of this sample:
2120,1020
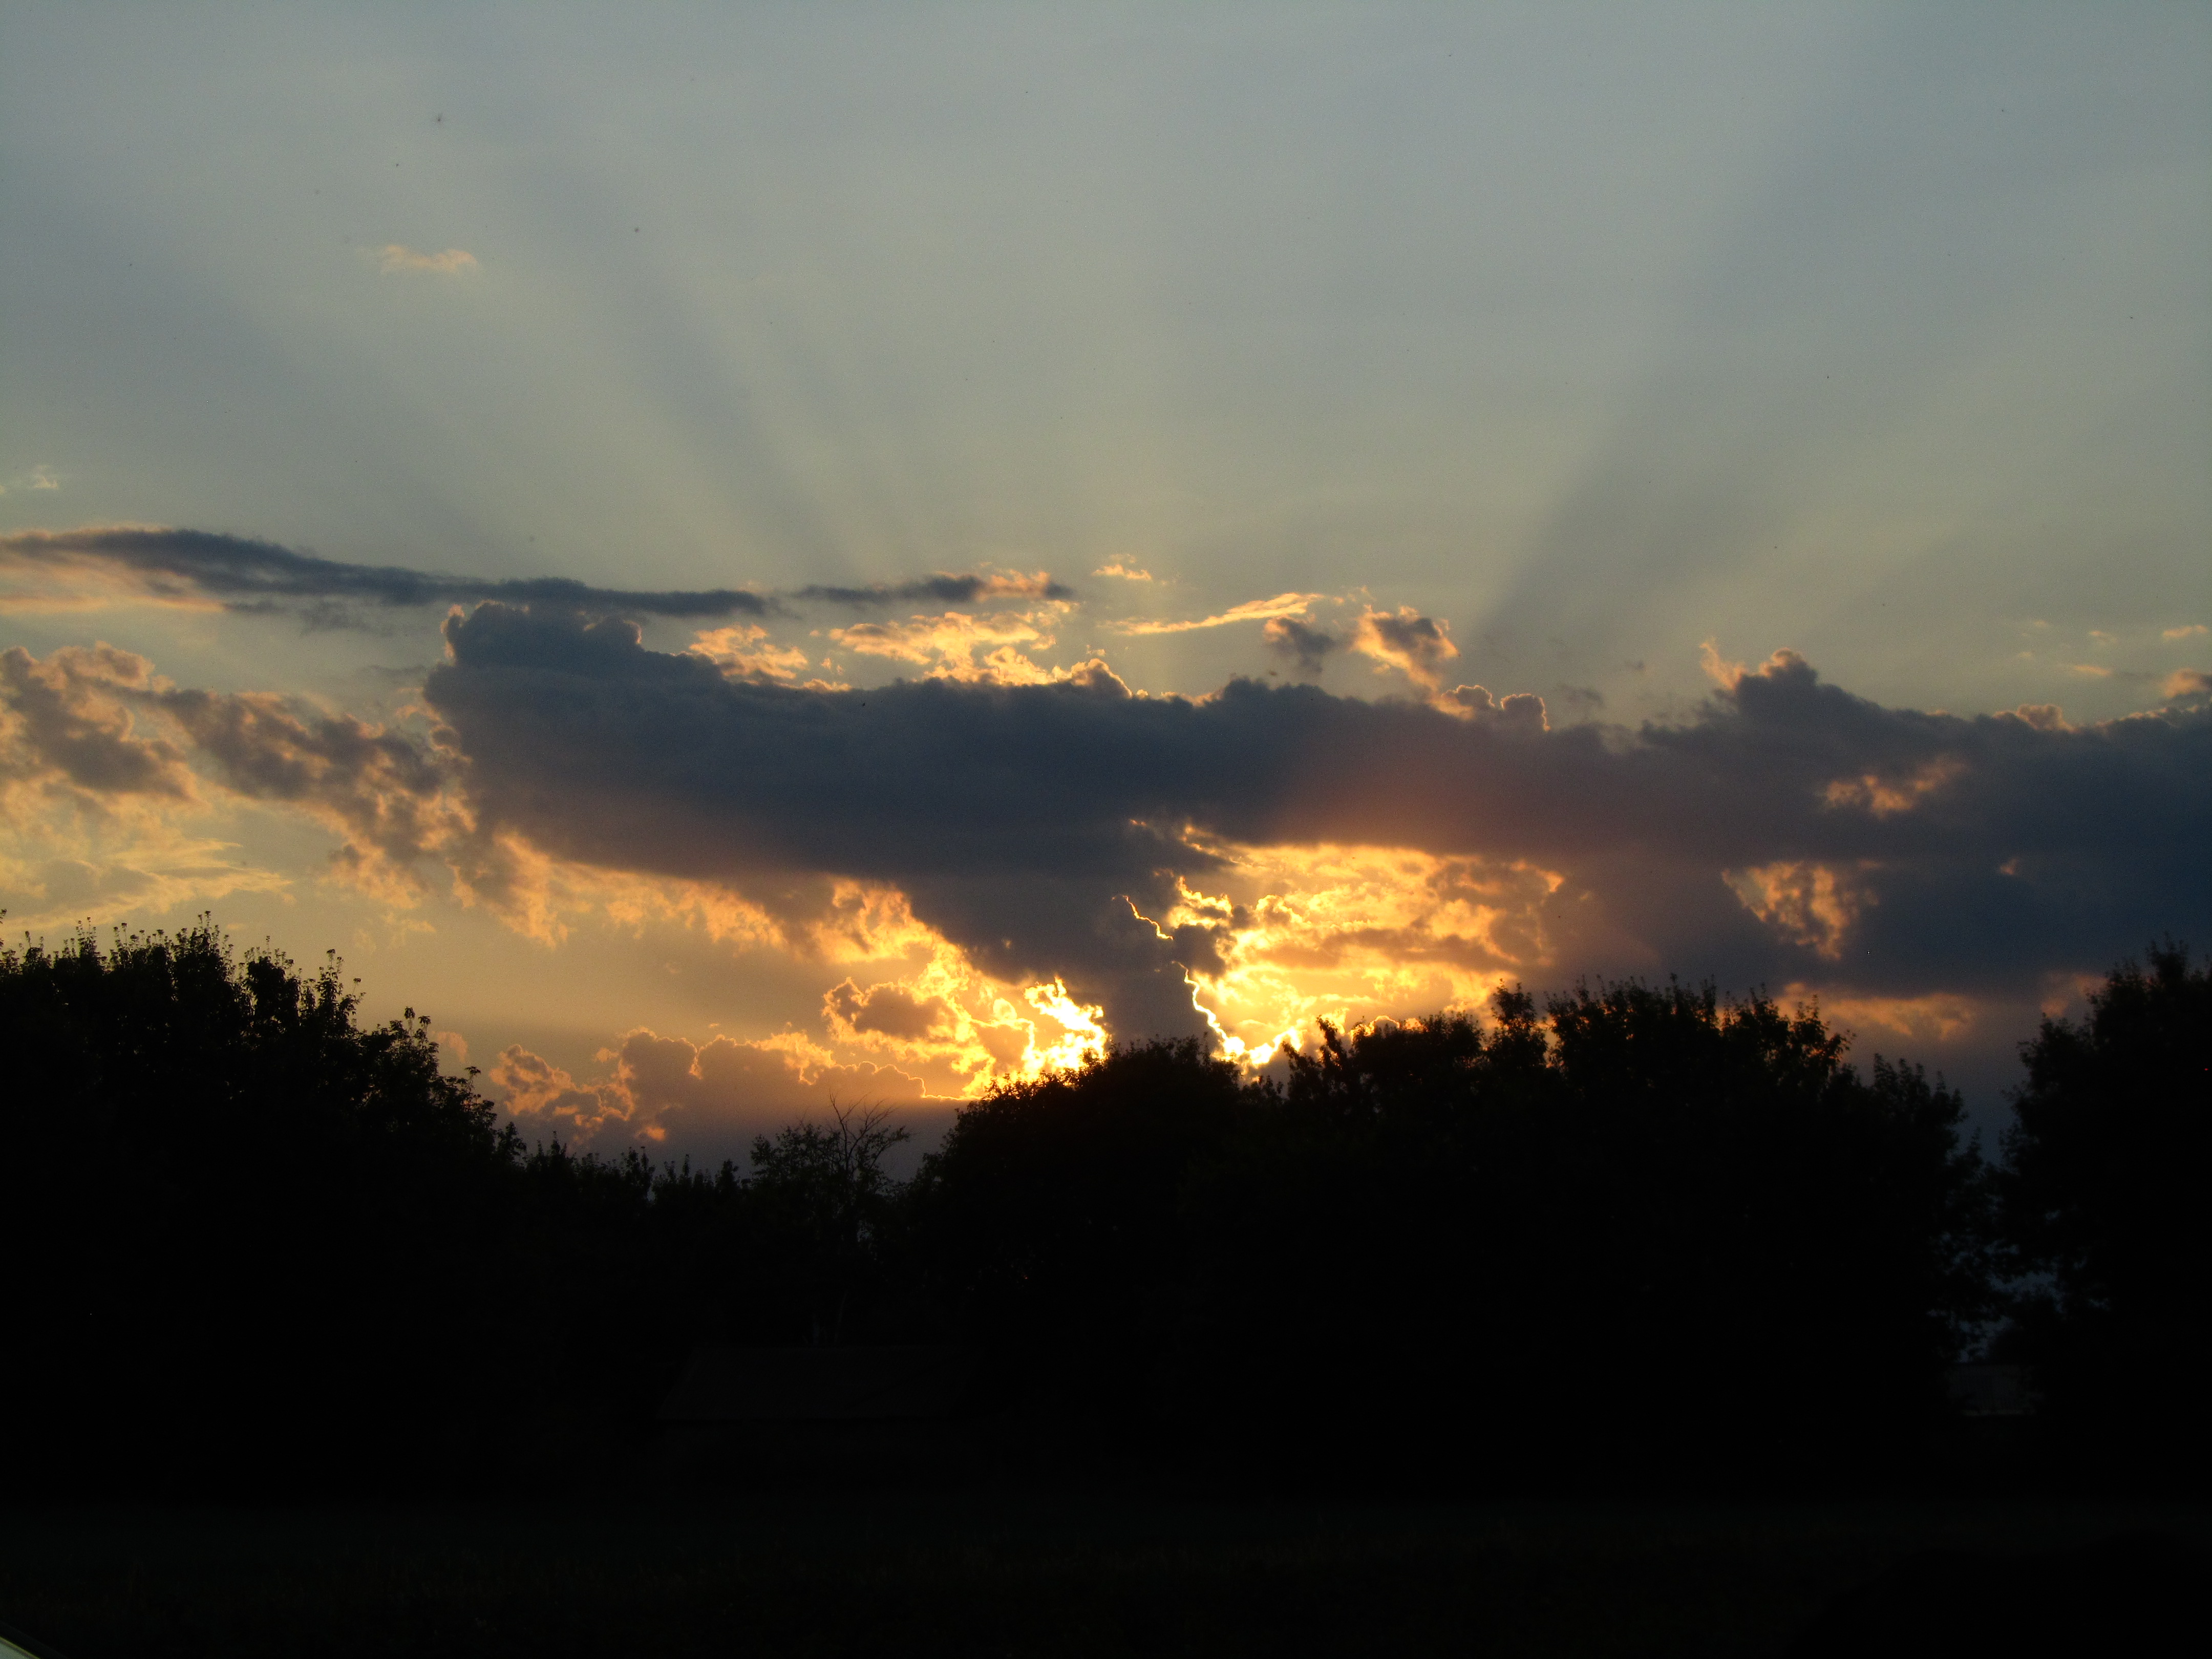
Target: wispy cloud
112,564
396,259
2183,632
943,587
1128,573
42,478
170,566
1283,604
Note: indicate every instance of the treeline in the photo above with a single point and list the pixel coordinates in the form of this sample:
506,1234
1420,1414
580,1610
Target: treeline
1640,1234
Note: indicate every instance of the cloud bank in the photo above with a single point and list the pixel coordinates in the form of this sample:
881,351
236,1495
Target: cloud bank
1787,833
1056,858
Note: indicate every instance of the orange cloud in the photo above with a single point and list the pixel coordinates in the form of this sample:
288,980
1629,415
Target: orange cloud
944,646
1810,904
1416,646
1283,604
744,649
1352,934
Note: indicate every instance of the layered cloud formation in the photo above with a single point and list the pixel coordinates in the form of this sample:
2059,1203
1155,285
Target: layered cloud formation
1001,862
1788,831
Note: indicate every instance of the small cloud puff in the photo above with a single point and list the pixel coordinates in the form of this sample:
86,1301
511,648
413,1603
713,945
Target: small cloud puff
1417,646
2183,632
1303,644
395,258
1129,572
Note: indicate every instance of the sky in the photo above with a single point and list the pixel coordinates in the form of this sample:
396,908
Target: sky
744,557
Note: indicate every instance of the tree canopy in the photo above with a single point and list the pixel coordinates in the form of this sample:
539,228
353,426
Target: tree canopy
1635,1232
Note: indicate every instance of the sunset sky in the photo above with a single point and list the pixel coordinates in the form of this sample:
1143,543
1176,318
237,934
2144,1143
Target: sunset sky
738,555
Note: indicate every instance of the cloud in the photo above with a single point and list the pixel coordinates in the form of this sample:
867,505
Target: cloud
95,725
1786,831
2187,685
1304,646
113,563
1283,604
1128,573
2182,632
714,1097
180,566
384,793
942,588
744,648
946,645
1415,645
68,725
395,258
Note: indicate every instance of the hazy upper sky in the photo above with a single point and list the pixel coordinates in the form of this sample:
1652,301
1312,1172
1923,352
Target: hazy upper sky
1521,349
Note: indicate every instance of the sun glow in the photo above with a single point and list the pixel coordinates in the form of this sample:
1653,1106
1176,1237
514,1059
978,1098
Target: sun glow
1353,933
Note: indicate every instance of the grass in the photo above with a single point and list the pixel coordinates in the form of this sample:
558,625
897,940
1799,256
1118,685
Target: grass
1016,1573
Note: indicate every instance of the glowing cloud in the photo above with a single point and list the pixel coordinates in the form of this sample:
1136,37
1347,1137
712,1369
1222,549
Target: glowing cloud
1283,604
1415,645
744,649
945,645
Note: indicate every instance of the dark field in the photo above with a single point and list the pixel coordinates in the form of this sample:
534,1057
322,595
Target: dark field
982,1574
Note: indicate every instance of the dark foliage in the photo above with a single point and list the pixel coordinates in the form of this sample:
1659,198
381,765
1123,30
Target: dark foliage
1646,1233
252,1244
2104,1213
239,1229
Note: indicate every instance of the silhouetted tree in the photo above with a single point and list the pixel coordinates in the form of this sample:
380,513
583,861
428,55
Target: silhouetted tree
1645,1232
2104,1213
1057,1215
246,1238
822,1196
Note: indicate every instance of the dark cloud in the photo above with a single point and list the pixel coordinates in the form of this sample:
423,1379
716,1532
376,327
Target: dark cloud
1303,644
245,574
940,590
1788,832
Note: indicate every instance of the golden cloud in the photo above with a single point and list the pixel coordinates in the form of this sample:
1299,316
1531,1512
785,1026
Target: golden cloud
944,646
1283,604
